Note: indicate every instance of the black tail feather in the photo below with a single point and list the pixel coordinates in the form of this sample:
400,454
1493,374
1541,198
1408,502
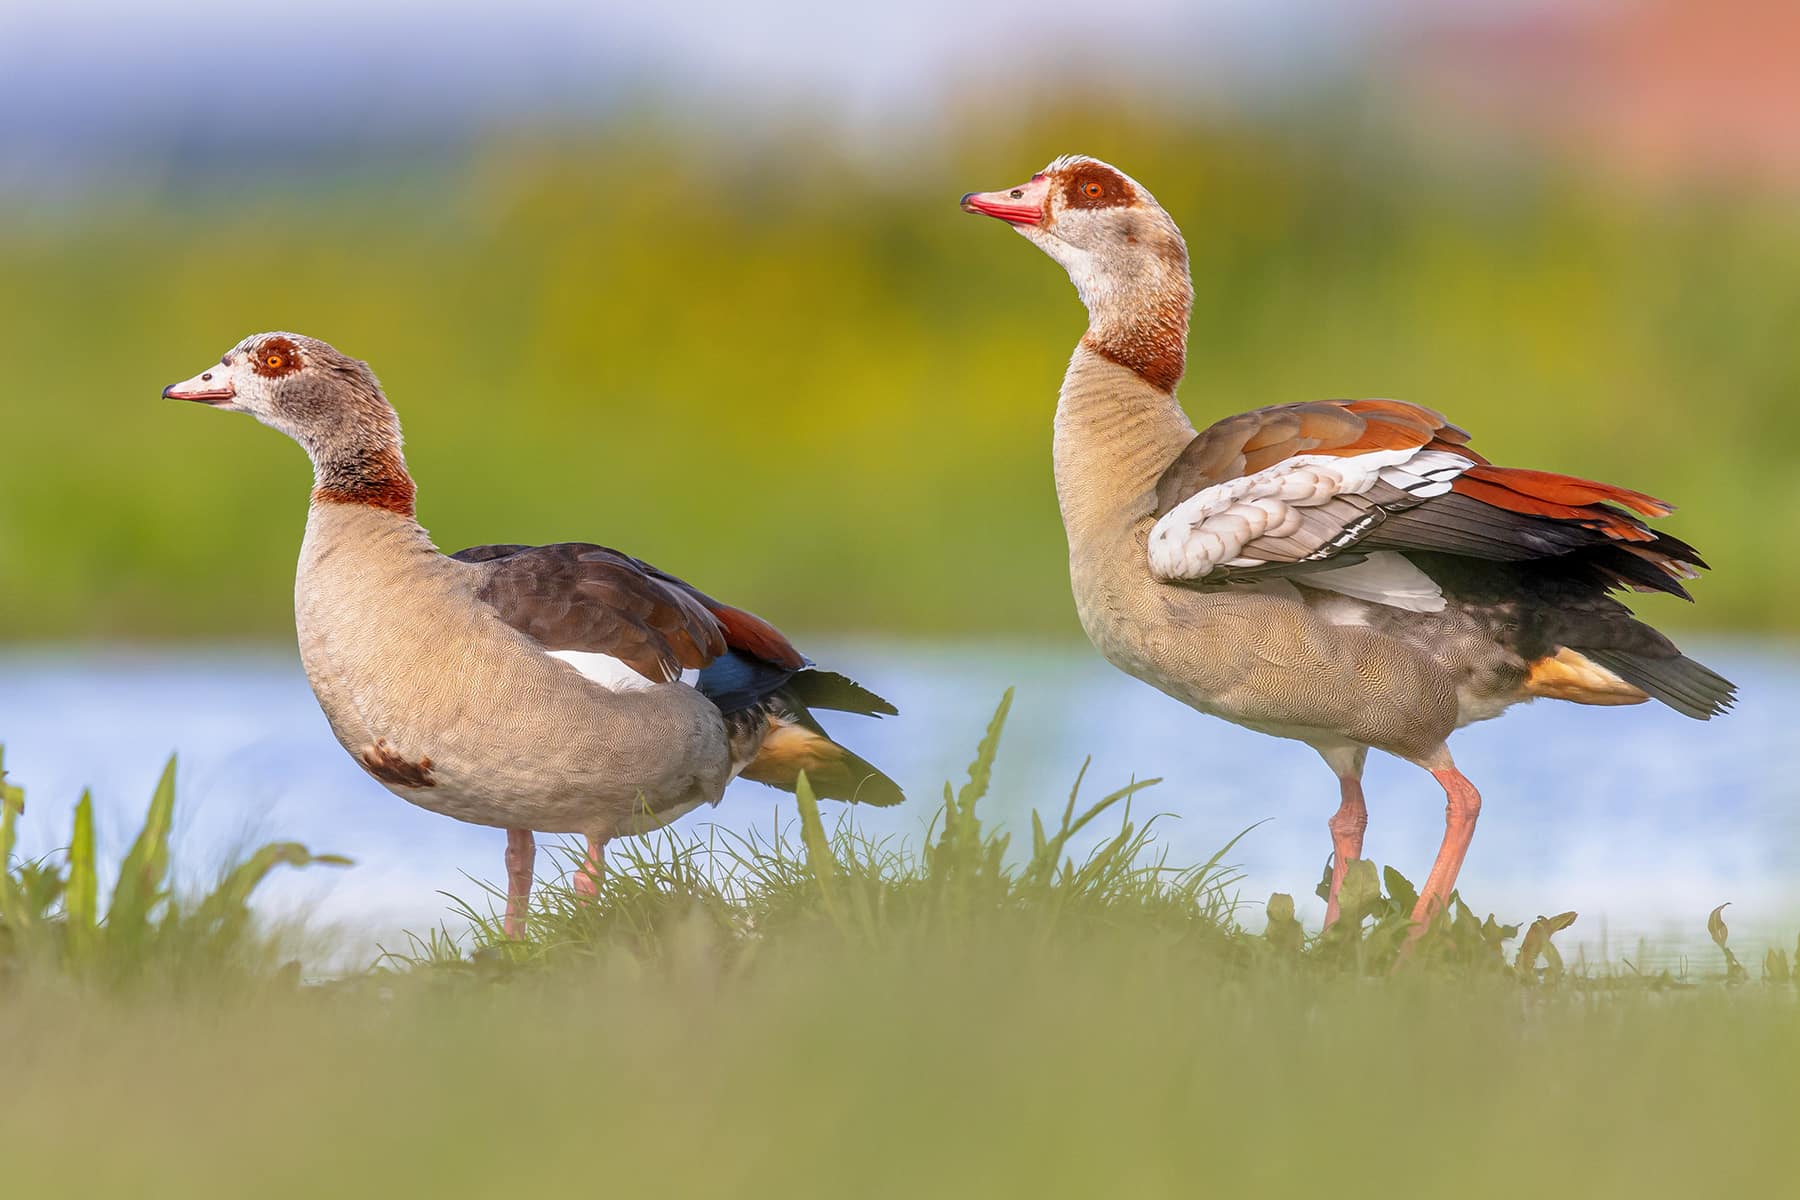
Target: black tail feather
853,778
1460,525
814,688
1679,682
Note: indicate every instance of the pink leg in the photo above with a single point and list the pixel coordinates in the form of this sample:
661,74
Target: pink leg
521,853
1347,826
587,879
1464,805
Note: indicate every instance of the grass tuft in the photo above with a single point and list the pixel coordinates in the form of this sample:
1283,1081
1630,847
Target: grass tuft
833,890
51,925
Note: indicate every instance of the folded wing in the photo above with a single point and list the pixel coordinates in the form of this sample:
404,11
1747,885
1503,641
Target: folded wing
1315,489
611,615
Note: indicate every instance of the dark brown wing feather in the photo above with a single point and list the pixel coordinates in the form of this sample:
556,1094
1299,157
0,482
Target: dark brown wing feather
575,596
744,631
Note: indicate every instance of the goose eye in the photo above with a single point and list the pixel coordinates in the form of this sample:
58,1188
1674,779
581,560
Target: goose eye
273,362
1091,190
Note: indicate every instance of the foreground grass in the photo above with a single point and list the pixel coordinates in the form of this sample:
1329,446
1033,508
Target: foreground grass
1100,1068
970,1018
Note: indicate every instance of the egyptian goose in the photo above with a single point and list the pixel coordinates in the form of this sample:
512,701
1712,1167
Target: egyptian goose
562,689
1345,573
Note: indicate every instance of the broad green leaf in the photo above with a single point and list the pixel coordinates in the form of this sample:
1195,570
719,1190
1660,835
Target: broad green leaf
1496,933
1537,945
1360,893
1283,931
1715,925
1553,963
1400,889
40,886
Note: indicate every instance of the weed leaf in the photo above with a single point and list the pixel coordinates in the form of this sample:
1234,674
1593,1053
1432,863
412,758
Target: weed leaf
141,875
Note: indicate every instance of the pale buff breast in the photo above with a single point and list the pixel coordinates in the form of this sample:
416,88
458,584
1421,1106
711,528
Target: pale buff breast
1260,657
1263,658
455,711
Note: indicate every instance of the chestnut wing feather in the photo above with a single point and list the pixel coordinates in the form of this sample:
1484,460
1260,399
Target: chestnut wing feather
1253,441
1492,513
1261,523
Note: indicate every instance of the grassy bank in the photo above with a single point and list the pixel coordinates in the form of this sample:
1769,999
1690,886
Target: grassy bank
820,390
1109,1067
972,1016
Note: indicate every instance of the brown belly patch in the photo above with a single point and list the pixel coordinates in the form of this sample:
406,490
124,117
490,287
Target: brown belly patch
381,761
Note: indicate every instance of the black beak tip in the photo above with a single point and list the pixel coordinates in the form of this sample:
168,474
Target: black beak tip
964,202
166,391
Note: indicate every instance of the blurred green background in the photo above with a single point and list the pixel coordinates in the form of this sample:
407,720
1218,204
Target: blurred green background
783,365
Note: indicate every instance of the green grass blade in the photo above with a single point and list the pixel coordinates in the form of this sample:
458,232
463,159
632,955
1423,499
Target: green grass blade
959,851
1044,859
141,875
12,804
981,771
81,900
819,858
230,899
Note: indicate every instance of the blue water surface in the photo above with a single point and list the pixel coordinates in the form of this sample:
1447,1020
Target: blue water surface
1638,818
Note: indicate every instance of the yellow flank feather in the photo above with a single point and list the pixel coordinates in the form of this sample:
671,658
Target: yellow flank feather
1568,675
790,749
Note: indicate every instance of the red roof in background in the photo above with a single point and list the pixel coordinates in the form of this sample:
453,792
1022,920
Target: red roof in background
1666,90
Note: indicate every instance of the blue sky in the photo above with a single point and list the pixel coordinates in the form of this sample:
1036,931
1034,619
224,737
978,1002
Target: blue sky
77,75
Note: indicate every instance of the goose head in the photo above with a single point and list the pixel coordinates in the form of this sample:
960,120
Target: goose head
299,385
328,402
1124,254
1103,226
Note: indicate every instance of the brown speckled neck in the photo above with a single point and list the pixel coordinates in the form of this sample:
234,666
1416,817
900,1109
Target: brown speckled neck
1144,327
1155,351
375,478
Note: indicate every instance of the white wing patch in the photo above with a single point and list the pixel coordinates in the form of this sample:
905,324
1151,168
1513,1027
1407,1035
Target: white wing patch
615,674
1211,528
1382,578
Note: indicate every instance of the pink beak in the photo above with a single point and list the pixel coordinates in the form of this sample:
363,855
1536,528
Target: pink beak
208,387
1023,205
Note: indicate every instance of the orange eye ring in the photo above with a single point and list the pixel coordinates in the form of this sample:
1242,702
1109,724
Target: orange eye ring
1091,190
273,362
